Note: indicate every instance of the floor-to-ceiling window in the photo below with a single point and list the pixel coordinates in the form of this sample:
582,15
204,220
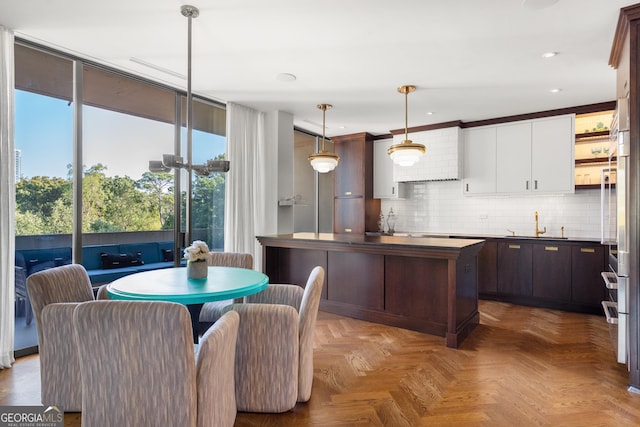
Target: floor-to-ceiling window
209,143
44,152
126,122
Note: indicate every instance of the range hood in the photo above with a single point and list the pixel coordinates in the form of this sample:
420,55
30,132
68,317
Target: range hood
442,161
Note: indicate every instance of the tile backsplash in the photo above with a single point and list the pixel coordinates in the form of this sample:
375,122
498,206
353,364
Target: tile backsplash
441,207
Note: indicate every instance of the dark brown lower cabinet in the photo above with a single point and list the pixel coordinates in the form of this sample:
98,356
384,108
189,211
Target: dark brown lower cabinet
488,268
552,272
561,275
515,268
587,287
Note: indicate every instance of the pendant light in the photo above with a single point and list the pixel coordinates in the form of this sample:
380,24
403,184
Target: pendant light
323,161
406,153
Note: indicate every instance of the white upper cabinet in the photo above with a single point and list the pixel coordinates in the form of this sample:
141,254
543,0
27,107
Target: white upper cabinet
529,156
479,160
384,187
553,154
513,157
442,161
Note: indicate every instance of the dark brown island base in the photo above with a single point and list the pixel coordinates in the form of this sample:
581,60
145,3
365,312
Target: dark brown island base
424,284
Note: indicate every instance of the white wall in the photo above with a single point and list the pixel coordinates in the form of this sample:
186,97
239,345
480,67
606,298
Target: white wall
441,207
279,136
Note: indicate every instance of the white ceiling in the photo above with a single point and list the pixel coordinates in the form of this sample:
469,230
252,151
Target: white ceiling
470,59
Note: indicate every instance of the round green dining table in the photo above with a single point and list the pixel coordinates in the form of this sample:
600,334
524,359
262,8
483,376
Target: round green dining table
172,284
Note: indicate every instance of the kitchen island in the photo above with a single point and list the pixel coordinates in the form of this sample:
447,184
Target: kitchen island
423,284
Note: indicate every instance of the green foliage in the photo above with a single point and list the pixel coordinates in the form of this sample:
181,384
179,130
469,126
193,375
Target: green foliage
39,194
112,204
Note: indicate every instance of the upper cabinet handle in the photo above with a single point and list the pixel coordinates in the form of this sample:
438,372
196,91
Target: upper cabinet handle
587,250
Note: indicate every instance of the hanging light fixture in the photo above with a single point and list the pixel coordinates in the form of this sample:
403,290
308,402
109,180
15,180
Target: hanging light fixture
323,161
406,153
175,162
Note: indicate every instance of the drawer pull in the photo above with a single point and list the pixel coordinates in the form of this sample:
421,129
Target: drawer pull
514,246
347,193
551,248
588,250
348,230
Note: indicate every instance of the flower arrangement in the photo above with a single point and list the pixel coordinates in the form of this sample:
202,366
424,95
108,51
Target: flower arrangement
198,251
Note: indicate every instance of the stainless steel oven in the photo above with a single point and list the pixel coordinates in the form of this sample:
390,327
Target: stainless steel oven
615,233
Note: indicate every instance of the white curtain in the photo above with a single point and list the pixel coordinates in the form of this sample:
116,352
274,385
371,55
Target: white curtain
7,200
244,215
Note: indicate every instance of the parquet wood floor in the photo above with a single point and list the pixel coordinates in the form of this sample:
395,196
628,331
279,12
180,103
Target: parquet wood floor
521,367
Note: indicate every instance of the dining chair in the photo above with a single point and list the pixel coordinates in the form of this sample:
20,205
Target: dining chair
211,311
139,368
274,351
215,373
137,363
54,294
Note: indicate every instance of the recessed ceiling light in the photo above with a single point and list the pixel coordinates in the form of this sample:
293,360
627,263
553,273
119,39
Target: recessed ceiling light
547,55
429,113
285,77
555,90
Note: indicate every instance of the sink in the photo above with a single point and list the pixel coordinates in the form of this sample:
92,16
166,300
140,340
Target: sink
536,238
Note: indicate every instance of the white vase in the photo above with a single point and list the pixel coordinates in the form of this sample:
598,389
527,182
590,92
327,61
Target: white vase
197,269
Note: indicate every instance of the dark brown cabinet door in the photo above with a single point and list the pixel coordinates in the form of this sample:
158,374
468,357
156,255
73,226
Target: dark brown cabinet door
349,215
552,272
587,286
488,268
354,180
350,173
515,269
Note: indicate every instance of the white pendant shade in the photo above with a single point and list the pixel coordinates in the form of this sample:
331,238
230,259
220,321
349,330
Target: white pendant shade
323,163
406,153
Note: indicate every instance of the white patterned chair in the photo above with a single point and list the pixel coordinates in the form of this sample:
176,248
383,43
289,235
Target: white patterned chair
54,294
139,368
274,352
211,311
215,373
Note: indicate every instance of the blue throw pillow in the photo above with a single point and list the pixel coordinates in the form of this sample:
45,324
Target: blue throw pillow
110,261
167,255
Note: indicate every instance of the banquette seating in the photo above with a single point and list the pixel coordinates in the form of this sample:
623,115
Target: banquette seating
104,263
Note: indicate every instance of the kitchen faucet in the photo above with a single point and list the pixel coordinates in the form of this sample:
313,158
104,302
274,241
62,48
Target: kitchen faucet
538,231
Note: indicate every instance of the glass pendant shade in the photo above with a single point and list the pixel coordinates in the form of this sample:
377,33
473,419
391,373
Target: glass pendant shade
323,161
406,153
